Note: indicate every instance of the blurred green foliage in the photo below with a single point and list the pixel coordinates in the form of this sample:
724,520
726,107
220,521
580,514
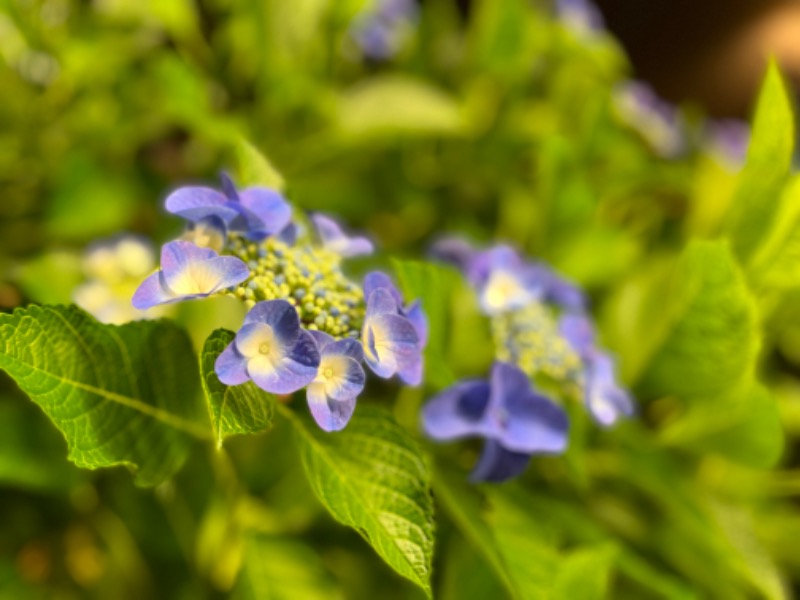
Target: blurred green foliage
499,123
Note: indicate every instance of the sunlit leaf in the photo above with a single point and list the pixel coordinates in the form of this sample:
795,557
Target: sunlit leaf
120,395
585,574
372,477
238,409
769,158
253,168
706,336
277,568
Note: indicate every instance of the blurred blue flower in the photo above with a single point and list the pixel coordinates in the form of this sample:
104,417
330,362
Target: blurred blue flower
334,239
582,16
729,140
605,399
257,212
515,420
272,349
188,272
383,28
391,342
340,378
504,281
655,119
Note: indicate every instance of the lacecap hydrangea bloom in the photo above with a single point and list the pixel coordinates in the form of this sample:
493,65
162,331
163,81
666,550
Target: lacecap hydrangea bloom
545,354
308,325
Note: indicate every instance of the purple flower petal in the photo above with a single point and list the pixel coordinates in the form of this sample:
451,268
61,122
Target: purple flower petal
231,367
294,370
280,316
454,251
457,411
269,213
197,203
341,375
528,422
390,343
605,399
336,240
330,414
578,331
381,302
498,464
151,292
419,320
375,280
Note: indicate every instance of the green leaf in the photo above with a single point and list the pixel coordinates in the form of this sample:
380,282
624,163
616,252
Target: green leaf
276,568
398,105
373,477
585,574
238,409
120,395
253,168
744,426
433,285
769,160
707,339
777,263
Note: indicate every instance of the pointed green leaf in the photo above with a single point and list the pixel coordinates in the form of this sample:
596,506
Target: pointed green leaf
120,395
585,574
743,426
707,337
391,105
373,477
777,263
253,168
769,159
276,568
238,409
433,285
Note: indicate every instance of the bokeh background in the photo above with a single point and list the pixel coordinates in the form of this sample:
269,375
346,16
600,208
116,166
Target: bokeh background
599,138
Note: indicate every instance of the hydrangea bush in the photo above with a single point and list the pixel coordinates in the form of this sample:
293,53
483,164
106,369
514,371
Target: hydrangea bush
599,398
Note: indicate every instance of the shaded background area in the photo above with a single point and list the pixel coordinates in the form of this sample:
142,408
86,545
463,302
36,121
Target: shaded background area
712,52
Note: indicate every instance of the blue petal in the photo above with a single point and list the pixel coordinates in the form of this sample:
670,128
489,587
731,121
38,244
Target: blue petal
151,292
419,320
195,278
270,209
497,464
410,372
295,370
288,235
578,331
455,251
346,347
350,377
521,419
209,232
177,255
376,280
330,415
390,343
605,399
231,367
197,203
334,238
457,411
228,187
278,314
565,294
322,339
381,302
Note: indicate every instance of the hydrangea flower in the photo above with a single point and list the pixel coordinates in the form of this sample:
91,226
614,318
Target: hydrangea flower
188,271
541,331
605,399
383,28
308,326
334,239
271,349
581,16
515,420
114,269
658,121
728,140
256,212
339,380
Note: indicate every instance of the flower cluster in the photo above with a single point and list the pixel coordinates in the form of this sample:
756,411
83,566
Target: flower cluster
113,268
308,325
544,349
